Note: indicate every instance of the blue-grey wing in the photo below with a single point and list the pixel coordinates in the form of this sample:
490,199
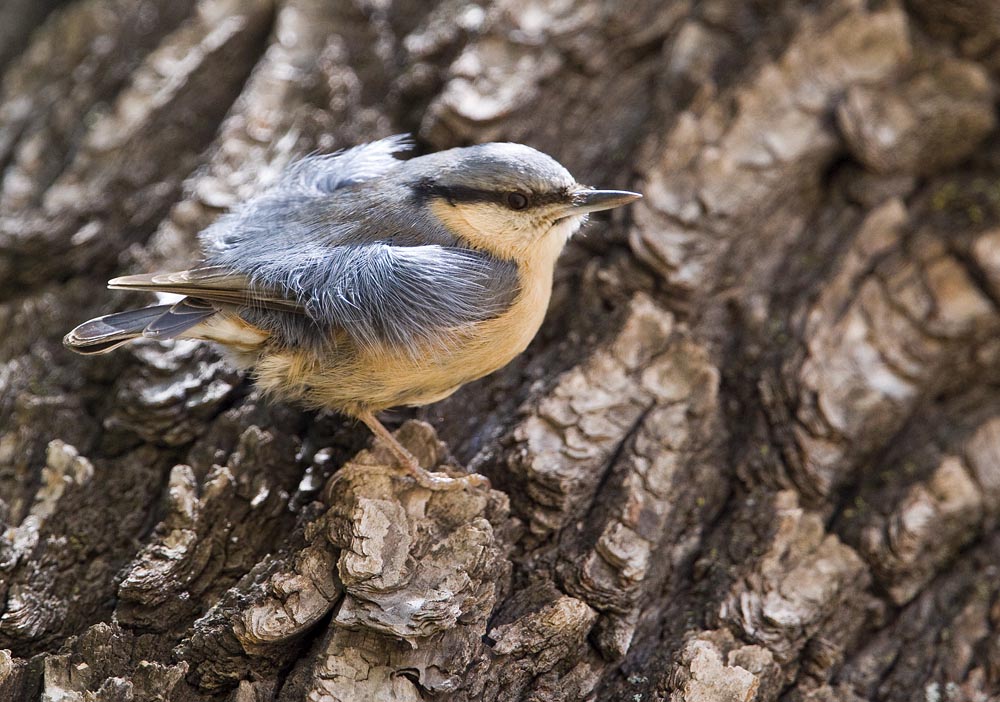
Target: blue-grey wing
403,297
299,206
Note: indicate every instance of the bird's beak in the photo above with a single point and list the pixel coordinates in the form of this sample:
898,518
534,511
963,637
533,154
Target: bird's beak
587,200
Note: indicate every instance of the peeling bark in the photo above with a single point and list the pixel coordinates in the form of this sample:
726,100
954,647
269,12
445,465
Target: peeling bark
753,454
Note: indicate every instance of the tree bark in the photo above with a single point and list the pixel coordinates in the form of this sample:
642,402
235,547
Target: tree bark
753,454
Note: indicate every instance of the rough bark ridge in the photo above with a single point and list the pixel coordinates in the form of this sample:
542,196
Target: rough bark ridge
753,455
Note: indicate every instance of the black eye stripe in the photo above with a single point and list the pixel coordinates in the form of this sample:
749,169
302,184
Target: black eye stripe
459,193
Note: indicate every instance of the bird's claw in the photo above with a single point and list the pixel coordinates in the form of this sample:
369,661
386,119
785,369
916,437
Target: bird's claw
442,481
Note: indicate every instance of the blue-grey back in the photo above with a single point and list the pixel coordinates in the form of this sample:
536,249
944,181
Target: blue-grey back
350,197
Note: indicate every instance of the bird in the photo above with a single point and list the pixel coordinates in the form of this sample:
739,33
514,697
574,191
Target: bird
361,280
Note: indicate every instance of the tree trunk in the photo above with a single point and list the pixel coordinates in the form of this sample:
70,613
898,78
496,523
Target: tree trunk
753,454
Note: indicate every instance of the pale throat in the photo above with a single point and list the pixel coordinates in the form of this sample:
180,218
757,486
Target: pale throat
546,250
537,270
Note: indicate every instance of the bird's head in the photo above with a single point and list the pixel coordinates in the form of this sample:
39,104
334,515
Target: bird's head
507,199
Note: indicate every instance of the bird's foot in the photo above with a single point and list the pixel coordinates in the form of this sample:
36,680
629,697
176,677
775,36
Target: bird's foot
423,477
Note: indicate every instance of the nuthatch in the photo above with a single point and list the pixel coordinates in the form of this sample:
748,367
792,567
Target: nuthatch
361,281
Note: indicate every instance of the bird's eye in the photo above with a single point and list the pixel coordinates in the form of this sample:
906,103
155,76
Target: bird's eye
517,201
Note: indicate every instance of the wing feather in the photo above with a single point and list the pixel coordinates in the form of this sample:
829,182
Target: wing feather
214,284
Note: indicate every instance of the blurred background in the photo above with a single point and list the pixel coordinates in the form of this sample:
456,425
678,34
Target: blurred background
754,453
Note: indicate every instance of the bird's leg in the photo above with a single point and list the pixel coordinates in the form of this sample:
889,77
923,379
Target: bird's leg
424,478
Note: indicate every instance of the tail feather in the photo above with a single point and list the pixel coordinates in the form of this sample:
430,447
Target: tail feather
105,333
181,316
